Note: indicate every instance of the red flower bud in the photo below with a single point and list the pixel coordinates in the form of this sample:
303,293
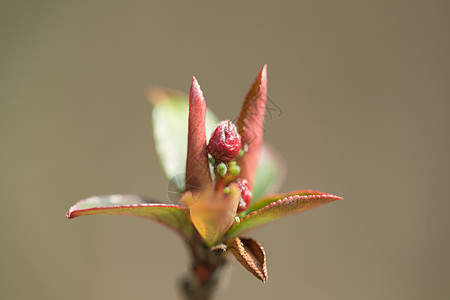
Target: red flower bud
225,142
246,195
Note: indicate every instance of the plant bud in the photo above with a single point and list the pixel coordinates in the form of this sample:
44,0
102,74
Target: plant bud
241,153
222,169
234,170
225,142
246,195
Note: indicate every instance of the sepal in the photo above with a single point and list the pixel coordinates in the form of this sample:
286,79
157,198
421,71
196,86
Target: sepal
251,255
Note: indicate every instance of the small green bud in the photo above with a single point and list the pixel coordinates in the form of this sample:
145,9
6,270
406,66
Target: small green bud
231,163
234,170
222,169
212,161
241,153
237,219
226,190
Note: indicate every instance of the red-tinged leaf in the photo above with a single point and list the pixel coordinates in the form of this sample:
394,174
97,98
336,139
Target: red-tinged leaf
197,166
251,255
170,118
251,124
278,209
175,217
266,200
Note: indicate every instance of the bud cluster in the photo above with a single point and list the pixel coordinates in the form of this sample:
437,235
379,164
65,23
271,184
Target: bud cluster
224,146
223,149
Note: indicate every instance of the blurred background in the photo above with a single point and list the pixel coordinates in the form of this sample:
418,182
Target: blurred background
364,97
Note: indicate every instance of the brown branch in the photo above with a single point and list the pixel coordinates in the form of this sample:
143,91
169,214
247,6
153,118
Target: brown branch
205,272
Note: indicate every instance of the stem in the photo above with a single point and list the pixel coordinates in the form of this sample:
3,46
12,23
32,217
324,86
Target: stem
205,272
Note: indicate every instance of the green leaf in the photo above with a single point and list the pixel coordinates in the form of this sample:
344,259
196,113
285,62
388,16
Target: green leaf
278,209
173,216
270,173
170,129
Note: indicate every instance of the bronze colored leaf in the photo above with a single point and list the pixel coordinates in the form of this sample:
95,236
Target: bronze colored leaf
280,208
270,198
251,255
251,124
197,166
175,217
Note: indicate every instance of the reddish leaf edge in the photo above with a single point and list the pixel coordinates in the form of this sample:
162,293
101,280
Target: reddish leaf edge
273,197
73,213
185,233
236,233
251,129
333,197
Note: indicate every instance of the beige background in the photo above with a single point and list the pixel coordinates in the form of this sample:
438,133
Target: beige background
365,98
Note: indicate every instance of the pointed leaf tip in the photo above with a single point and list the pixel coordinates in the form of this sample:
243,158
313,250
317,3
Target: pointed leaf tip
196,96
197,166
195,84
251,255
170,117
250,125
